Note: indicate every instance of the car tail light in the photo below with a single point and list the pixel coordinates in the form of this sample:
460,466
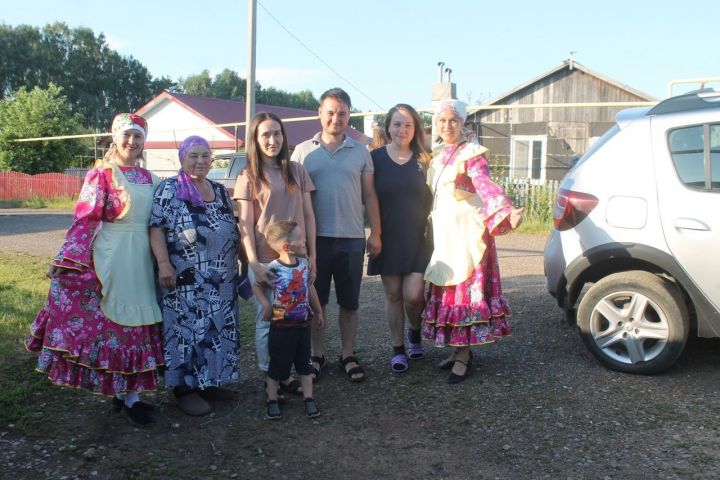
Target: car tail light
571,208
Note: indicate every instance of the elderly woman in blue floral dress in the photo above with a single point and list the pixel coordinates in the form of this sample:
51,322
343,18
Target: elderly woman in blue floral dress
195,240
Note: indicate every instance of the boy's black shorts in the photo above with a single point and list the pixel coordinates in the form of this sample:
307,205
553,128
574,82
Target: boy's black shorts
289,345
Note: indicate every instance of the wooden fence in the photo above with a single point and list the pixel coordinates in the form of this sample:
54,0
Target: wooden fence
537,196
21,186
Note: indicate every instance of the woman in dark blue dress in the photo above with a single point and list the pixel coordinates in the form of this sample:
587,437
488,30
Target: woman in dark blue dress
405,202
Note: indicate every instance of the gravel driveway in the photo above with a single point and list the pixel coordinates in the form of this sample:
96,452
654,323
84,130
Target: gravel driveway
537,405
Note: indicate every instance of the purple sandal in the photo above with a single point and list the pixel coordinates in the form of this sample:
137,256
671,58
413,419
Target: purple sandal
399,363
415,351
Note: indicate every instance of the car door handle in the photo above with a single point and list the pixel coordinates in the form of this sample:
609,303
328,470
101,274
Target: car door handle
691,224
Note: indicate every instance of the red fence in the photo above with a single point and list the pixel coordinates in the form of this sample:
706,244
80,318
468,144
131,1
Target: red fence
21,186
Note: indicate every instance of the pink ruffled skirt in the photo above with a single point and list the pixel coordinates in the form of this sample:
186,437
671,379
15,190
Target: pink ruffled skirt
79,347
472,313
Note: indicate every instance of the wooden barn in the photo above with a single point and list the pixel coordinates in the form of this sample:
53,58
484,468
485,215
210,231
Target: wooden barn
539,143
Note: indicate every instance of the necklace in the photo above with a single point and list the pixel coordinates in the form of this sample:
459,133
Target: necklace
398,156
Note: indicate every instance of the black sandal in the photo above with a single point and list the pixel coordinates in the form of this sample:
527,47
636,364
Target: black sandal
322,362
281,398
354,370
293,387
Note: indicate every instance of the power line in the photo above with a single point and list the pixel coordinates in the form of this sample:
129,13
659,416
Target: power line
318,57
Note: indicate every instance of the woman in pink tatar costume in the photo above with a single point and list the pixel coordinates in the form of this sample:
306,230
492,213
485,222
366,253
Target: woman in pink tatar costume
100,328
465,305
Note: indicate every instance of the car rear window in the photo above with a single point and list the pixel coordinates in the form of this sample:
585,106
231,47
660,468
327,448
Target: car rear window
689,147
598,144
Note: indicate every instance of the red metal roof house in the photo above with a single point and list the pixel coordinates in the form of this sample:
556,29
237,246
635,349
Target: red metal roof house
172,117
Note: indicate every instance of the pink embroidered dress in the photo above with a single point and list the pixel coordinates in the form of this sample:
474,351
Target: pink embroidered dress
100,327
465,305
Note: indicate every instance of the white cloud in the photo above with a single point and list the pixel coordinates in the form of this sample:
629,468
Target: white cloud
116,43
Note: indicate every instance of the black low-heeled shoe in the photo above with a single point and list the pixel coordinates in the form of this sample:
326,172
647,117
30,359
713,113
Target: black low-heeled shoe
116,405
446,363
136,415
455,378
449,362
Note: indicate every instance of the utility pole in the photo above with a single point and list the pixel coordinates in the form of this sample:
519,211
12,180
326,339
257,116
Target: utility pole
250,87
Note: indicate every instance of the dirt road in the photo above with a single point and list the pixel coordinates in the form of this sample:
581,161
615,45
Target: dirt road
537,405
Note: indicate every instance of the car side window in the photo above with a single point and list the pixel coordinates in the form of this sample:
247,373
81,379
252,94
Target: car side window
688,148
715,155
239,163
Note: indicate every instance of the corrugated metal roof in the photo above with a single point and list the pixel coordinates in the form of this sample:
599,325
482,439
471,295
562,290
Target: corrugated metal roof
221,111
576,66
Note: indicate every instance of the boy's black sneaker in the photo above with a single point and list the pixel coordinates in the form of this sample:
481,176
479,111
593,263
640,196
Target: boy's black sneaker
311,408
272,410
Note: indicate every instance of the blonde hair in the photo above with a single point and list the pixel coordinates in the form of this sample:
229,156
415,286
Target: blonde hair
280,231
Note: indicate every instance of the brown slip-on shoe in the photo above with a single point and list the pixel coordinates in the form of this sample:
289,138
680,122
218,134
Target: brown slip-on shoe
217,394
193,404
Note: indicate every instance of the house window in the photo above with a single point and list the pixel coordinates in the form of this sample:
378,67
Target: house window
695,153
528,156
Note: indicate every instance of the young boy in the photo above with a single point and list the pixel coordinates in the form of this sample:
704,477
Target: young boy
290,315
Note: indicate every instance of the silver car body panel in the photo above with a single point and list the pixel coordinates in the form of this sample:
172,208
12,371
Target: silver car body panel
690,217
645,215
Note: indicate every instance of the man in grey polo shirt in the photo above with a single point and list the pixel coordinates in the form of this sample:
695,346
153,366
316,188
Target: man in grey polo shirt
342,172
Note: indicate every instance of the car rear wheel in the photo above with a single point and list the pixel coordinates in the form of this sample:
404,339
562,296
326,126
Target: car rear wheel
634,322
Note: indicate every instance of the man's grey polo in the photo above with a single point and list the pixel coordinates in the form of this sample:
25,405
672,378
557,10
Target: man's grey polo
337,199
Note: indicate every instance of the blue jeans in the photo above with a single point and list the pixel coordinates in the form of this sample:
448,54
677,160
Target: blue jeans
262,328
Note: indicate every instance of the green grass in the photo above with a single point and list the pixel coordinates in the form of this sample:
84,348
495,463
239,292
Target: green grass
23,288
60,203
535,226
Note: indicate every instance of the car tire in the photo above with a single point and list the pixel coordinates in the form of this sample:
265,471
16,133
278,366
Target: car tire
634,322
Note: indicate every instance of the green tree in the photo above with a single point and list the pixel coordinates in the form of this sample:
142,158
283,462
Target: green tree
97,81
200,84
38,113
165,83
20,58
228,84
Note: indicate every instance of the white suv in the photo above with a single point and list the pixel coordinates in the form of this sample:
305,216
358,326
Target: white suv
637,222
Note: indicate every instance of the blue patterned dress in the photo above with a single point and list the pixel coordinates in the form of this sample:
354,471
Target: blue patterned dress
200,315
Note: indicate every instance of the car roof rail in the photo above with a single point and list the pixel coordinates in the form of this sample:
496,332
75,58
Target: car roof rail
695,100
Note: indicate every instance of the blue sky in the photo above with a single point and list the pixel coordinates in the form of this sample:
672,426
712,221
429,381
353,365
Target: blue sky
389,49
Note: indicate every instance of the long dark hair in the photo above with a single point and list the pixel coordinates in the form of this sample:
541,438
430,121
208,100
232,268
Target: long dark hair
254,155
418,145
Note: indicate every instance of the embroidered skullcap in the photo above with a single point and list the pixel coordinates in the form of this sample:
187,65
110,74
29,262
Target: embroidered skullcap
457,107
128,121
